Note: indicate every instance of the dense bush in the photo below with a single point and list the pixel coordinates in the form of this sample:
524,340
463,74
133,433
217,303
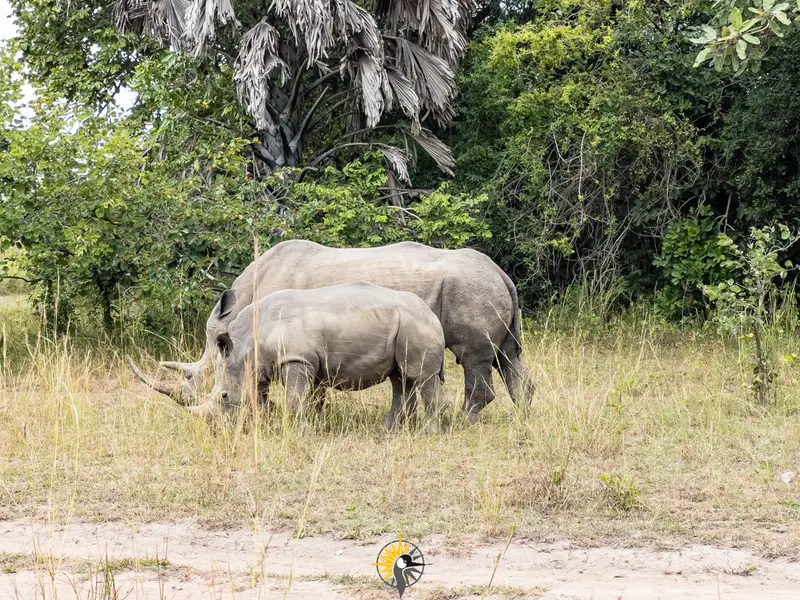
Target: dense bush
592,154
108,225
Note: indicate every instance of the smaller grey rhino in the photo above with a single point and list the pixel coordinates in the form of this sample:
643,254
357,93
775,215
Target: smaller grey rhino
345,337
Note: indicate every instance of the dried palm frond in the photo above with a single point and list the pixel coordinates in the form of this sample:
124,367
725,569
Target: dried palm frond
440,25
164,20
434,80
257,61
403,90
311,24
398,160
437,150
201,20
371,78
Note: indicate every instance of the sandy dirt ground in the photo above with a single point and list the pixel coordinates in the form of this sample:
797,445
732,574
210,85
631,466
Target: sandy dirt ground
221,564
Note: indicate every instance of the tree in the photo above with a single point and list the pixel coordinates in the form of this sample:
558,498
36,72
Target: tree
330,64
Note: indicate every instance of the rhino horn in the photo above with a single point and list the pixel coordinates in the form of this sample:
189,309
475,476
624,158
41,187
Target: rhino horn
207,410
175,391
190,369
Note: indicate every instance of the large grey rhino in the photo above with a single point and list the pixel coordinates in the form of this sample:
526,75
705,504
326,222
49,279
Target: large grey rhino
346,337
473,298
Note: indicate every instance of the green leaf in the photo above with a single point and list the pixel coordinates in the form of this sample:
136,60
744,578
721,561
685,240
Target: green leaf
741,49
751,39
703,56
749,24
736,18
781,16
719,61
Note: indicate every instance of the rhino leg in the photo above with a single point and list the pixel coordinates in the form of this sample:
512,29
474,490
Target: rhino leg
404,401
298,379
478,388
429,392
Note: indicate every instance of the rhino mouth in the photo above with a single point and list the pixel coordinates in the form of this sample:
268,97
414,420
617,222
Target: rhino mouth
180,391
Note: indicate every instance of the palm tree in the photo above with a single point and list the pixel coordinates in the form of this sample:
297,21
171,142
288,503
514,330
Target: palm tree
302,64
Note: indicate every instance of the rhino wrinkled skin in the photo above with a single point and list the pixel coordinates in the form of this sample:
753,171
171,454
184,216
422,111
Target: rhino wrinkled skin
474,300
346,337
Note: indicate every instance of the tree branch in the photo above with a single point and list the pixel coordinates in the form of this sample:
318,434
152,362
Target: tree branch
25,279
295,88
319,158
341,102
301,130
264,154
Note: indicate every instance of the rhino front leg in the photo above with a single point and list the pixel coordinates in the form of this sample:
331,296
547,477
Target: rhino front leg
298,379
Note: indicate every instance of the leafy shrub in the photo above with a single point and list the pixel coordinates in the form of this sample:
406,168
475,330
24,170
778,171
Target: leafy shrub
741,305
621,492
694,254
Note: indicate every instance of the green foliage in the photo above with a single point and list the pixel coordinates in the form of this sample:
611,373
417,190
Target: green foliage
694,254
583,136
99,220
111,221
743,29
740,302
73,50
741,305
340,209
350,208
567,126
449,220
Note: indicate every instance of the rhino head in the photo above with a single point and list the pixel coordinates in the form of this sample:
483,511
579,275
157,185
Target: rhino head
186,390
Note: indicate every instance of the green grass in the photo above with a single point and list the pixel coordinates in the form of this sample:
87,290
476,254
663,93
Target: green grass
665,417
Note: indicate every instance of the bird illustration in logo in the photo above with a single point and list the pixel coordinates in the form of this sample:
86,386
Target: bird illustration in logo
400,564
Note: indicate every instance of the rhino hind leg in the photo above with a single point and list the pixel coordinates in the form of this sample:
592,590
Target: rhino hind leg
434,411
478,387
404,401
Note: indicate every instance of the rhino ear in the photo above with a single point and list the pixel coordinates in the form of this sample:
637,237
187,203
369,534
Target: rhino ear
226,303
225,344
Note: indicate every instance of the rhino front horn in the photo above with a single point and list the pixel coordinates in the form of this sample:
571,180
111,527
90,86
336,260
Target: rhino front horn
175,391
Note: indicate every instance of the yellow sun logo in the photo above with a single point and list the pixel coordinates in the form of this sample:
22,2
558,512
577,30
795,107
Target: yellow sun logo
400,564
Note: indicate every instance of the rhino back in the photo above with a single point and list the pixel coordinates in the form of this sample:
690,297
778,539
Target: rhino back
464,288
349,330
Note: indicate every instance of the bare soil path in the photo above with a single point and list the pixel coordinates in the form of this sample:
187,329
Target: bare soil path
177,561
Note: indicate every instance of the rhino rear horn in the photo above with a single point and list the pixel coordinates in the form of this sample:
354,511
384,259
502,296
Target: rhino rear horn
173,390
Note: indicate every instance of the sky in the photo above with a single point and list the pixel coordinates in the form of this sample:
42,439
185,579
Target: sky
125,98
7,28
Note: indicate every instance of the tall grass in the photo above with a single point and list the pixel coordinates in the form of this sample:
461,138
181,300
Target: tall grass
638,430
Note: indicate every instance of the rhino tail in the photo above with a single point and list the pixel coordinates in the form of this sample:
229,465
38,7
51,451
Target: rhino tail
515,327
441,371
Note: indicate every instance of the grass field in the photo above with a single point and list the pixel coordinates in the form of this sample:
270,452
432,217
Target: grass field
638,435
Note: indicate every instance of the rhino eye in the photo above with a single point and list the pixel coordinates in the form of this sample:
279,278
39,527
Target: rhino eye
224,395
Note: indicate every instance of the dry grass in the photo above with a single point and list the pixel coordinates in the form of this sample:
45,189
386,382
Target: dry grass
637,436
